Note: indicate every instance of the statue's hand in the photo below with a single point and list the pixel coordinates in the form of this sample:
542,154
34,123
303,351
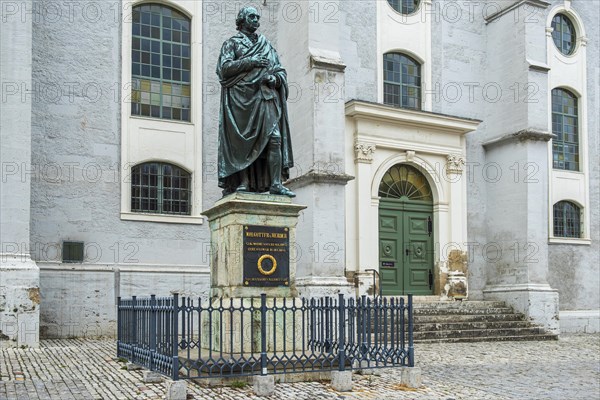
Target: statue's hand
259,62
270,81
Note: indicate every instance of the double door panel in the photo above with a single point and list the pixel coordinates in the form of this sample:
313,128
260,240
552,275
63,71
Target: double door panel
405,251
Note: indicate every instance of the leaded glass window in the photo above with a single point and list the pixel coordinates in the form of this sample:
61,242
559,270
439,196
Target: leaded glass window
161,63
567,220
405,182
563,34
565,148
160,188
401,81
404,6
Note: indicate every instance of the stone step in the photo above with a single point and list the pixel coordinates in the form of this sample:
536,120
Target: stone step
462,326
459,305
471,321
462,311
474,333
545,336
424,319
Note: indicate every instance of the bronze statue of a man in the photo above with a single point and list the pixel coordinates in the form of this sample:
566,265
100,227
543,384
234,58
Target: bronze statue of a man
255,151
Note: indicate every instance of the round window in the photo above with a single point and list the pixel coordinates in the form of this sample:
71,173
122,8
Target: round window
405,6
563,34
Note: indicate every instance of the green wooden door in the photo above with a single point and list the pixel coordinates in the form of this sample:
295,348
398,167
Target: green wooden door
405,247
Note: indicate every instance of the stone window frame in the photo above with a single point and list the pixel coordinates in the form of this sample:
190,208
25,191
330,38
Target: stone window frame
149,139
569,72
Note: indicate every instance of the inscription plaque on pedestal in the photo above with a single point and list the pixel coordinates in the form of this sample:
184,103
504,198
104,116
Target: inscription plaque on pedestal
266,256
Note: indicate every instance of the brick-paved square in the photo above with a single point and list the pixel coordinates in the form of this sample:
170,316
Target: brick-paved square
88,369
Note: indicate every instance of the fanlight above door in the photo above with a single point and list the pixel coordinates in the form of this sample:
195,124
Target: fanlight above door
403,181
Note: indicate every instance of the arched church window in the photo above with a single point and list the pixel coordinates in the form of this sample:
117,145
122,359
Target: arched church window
565,148
404,181
563,34
161,63
160,188
567,220
401,81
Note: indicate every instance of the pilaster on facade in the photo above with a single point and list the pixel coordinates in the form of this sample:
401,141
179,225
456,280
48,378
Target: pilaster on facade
19,274
317,123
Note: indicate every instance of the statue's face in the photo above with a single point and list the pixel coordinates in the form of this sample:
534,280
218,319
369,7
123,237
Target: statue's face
251,23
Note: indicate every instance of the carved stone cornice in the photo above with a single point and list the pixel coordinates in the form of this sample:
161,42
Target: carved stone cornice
363,152
455,164
521,136
314,177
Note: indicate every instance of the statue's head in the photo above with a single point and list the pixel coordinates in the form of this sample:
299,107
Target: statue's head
247,19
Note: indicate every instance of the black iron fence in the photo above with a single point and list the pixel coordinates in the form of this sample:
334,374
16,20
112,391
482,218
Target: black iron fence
187,338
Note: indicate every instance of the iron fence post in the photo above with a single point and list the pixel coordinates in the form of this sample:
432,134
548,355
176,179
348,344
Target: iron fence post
134,320
175,337
342,332
411,348
363,326
119,329
263,334
152,332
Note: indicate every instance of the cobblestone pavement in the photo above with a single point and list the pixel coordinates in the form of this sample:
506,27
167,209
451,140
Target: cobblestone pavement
567,369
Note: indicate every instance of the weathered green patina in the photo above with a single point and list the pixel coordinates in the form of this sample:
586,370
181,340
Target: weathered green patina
255,151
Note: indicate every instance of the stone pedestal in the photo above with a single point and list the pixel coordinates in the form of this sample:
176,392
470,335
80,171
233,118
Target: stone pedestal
234,331
263,385
230,220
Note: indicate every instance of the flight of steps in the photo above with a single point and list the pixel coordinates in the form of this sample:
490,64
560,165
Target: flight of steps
472,321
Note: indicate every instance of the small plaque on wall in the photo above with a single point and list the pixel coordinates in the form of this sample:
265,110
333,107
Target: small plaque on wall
266,256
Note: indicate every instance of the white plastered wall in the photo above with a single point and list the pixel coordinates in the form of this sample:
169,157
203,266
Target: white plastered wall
146,139
569,72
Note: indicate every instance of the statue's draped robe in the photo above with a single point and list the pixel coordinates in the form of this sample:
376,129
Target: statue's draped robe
250,112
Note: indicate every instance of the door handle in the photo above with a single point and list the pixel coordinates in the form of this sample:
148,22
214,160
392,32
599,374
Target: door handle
430,280
429,226
407,251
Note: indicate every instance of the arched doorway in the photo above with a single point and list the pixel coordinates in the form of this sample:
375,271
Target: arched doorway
405,232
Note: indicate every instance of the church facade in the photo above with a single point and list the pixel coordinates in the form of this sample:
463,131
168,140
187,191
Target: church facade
442,148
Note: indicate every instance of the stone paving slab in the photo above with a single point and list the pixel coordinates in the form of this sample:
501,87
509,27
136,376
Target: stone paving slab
88,370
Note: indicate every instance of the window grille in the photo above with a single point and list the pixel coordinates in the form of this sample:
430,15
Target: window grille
160,188
565,148
401,81
161,63
567,217
405,181
563,34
